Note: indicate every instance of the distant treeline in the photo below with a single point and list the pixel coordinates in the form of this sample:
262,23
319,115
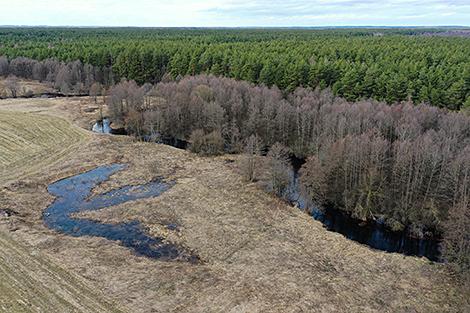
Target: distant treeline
384,64
70,78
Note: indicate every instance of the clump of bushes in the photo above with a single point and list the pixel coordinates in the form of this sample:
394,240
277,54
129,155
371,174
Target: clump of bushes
206,144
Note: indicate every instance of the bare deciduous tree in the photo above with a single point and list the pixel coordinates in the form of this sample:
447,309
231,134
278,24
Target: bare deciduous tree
313,182
39,71
95,91
12,85
63,80
4,67
279,167
250,159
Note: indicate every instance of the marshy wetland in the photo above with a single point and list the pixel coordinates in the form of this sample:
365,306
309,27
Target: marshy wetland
73,196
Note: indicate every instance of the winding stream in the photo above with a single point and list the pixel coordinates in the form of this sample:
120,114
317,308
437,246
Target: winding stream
373,234
74,196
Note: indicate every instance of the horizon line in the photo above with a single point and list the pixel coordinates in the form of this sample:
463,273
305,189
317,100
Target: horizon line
234,27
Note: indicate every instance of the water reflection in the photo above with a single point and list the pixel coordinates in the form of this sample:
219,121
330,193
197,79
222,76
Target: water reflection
103,126
73,196
375,235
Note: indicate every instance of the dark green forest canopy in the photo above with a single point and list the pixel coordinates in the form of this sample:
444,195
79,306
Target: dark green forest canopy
389,64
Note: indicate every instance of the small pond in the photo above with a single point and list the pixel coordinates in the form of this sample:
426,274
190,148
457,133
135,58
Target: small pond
74,196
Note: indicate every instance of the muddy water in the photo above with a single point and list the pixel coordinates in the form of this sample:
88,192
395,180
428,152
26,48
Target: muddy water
73,196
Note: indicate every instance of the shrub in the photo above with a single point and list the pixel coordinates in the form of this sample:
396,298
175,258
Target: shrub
249,162
207,144
278,160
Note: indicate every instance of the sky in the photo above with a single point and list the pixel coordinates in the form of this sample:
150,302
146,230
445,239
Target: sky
235,13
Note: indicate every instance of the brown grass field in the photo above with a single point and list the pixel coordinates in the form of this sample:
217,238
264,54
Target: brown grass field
258,254
34,140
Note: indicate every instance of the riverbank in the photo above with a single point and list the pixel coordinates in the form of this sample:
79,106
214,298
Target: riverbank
372,232
258,253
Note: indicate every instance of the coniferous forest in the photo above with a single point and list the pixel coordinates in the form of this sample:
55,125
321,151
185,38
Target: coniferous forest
388,65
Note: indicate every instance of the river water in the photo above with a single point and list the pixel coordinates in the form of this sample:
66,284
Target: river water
373,234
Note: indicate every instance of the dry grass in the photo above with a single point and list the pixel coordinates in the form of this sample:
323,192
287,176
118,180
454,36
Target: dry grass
30,143
26,86
81,111
30,282
259,254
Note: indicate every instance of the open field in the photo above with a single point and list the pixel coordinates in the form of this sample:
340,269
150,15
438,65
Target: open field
36,141
258,253
29,144
30,282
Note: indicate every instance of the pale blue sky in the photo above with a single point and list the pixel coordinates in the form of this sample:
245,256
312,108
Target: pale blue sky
235,12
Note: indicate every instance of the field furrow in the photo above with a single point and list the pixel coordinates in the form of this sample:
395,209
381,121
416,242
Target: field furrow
30,142
32,283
